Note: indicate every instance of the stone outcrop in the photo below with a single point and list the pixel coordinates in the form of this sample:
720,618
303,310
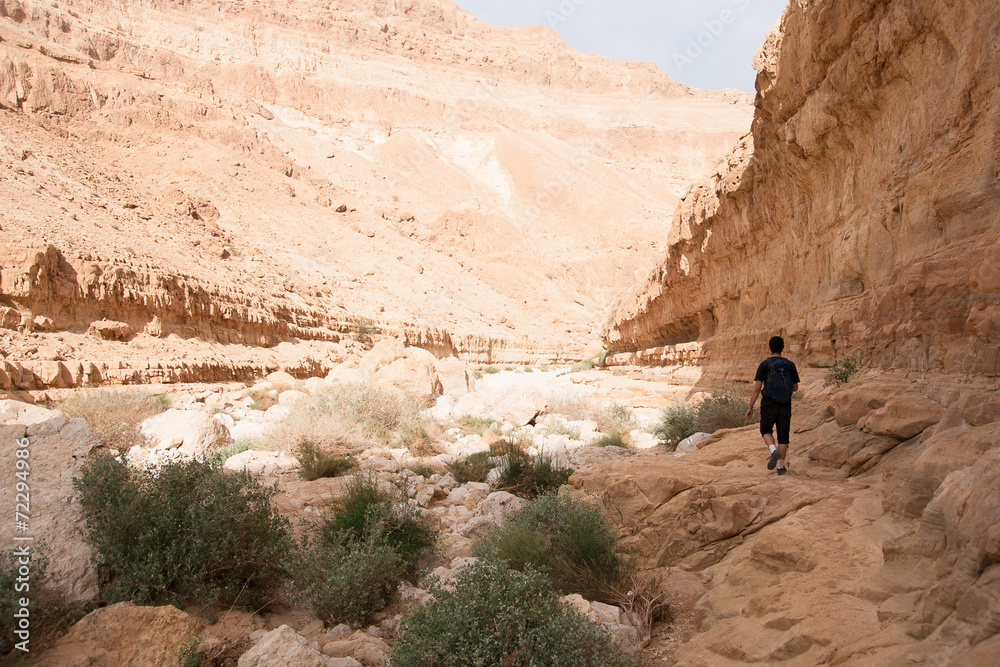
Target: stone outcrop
860,215
125,634
878,548
57,450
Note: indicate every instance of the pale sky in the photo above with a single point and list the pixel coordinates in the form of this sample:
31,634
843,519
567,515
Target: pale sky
701,43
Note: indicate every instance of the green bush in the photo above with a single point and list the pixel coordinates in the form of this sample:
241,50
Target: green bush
497,616
525,475
568,540
676,423
491,370
613,439
344,578
723,409
562,428
472,468
315,463
367,508
222,454
187,532
364,331
844,369
115,416
615,421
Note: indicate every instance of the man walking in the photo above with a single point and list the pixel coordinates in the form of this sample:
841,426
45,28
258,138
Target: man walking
776,379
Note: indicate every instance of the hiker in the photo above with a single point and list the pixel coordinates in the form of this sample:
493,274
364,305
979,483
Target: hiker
776,379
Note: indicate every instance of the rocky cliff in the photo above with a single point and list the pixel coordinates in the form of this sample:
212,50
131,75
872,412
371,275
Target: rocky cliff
861,214
245,174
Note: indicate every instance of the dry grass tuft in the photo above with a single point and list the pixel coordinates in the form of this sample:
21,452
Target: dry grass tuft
115,416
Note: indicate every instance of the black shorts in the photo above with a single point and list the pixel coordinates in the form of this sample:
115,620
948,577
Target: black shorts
776,414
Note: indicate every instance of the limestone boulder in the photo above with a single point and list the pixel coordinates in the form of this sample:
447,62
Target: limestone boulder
191,432
384,353
903,417
520,409
456,379
125,634
110,330
499,504
261,462
850,405
292,397
415,375
281,647
58,447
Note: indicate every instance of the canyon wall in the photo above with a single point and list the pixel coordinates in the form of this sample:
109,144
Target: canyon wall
246,175
860,215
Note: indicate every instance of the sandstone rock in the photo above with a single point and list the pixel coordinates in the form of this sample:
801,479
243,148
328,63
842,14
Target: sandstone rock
456,380
414,375
191,432
125,634
261,462
520,409
110,330
10,318
282,379
851,404
903,417
57,450
384,353
499,504
341,375
281,647
690,443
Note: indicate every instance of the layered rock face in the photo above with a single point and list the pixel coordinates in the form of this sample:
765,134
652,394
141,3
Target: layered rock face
249,173
862,214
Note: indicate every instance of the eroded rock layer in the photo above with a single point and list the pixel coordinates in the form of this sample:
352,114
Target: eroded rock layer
247,174
862,214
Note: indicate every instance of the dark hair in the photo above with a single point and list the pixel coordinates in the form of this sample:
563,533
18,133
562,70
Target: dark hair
777,344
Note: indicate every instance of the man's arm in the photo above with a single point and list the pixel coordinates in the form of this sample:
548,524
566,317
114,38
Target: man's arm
753,398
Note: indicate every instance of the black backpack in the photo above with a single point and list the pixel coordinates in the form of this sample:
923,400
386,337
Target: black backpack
778,386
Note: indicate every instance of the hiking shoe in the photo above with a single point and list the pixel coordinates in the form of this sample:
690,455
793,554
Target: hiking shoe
773,461
782,471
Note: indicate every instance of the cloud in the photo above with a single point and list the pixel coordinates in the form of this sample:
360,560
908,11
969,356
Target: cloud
708,44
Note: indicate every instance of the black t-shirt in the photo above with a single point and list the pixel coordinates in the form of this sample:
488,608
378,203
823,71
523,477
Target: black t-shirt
762,372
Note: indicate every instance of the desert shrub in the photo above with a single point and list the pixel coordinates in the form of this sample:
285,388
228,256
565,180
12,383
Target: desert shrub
348,420
189,531
416,439
476,424
421,469
585,365
498,616
613,439
572,406
723,409
344,577
562,428
568,540
844,370
676,423
367,508
316,463
364,331
525,475
115,416
616,421
262,399
472,468
379,413
491,370
222,454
